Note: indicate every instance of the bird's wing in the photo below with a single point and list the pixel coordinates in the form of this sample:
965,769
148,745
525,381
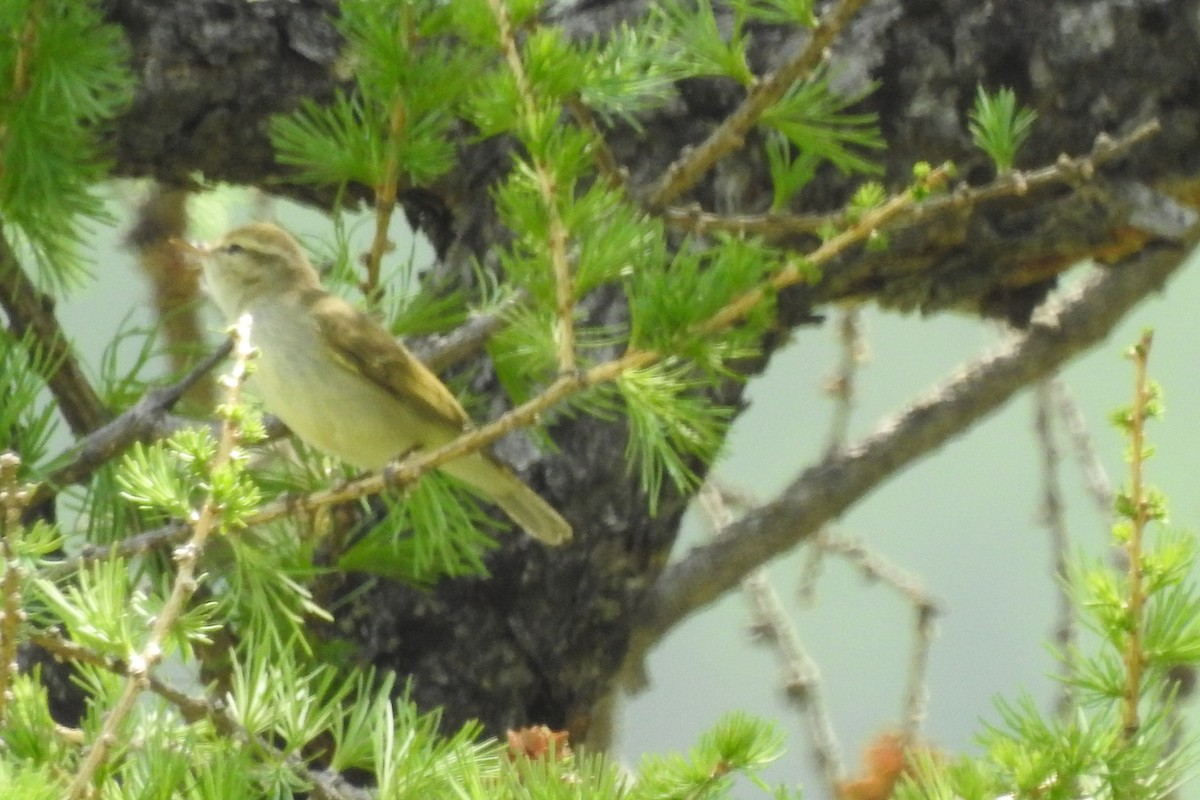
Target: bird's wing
371,351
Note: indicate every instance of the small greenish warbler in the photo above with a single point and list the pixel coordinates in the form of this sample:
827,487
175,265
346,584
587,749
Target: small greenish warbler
340,381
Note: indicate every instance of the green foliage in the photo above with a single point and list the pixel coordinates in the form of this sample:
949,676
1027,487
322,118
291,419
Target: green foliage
703,48
104,611
737,744
28,782
397,121
817,121
630,72
431,532
61,74
173,476
523,352
673,426
671,296
26,422
811,126
265,582
776,12
998,127
789,173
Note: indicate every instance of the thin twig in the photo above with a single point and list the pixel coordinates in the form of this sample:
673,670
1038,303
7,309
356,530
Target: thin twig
564,281
841,389
205,522
162,217
877,568
776,225
731,134
1139,502
916,692
802,676
1099,485
925,607
144,421
1053,519
13,499
800,270
841,386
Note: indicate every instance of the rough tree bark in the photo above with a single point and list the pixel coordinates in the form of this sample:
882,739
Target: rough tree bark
543,639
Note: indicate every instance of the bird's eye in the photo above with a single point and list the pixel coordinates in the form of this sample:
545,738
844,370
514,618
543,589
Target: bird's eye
233,249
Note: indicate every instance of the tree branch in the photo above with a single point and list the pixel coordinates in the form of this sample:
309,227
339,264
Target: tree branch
1077,321
31,312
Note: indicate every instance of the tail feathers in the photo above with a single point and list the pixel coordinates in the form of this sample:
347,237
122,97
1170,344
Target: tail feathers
518,501
534,514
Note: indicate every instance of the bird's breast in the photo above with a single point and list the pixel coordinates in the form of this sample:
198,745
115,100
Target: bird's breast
324,400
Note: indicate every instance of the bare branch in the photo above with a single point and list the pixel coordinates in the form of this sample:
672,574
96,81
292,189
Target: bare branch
1054,519
146,420
1079,320
31,311
770,623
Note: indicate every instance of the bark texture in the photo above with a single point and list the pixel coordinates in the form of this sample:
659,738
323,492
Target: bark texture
542,639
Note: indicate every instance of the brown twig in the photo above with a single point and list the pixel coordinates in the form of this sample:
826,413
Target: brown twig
30,312
840,387
386,192
13,499
775,225
1139,503
146,420
161,217
925,612
769,621
730,135
1099,485
800,270
141,665
1052,517
564,281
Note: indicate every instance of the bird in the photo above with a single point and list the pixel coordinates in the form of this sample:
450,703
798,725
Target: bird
343,383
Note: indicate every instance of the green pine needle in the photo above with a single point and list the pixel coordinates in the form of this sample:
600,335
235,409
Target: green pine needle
673,427
998,127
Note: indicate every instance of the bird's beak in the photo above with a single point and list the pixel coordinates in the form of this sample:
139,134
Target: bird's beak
193,252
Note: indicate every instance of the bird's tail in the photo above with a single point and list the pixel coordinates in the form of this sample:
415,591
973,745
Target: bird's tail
522,504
